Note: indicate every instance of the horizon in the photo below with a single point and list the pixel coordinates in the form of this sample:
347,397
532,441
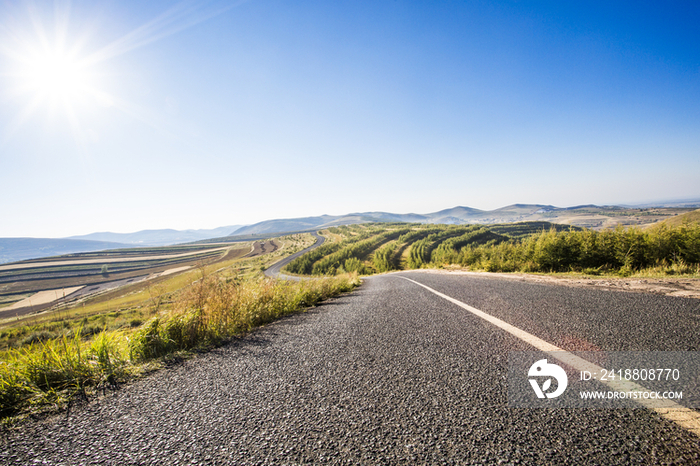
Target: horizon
691,201
124,116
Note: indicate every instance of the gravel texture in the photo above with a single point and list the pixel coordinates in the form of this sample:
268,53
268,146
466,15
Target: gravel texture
389,374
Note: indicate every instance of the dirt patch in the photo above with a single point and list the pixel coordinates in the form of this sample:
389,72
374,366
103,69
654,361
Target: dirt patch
175,270
235,254
683,287
255,250
43,297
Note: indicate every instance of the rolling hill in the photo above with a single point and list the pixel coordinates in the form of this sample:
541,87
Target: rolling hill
586,216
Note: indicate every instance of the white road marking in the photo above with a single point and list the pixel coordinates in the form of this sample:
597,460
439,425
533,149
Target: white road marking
688,419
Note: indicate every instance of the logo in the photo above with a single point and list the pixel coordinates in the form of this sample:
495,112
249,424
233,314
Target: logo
542,369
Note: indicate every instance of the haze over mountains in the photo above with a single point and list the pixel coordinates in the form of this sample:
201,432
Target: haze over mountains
589,216
18,249
159,237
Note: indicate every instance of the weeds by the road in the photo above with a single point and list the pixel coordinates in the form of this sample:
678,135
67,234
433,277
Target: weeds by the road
53,371
212,310
208,312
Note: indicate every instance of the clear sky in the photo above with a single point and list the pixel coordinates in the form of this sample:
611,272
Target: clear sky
127,115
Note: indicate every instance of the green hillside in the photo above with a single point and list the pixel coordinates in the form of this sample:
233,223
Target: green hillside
514,247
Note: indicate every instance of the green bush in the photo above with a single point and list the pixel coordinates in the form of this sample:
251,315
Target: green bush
622,251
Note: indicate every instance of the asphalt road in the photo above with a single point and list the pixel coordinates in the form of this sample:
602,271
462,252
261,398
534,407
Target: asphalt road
389,374
276,270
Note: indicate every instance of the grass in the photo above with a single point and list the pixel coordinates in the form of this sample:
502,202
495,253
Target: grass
212,310
53,372
678,220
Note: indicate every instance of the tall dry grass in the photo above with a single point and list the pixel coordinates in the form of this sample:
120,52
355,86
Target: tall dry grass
212,310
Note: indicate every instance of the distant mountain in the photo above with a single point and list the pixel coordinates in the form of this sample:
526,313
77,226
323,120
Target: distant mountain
455,215
159,237
18,249
325,221
285,224
587,216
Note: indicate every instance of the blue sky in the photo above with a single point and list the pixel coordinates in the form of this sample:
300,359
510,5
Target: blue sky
202,114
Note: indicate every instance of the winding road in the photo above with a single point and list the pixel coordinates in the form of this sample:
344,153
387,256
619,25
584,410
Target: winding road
392,373
276,270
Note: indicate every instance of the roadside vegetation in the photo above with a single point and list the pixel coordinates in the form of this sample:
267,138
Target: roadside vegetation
537,247
622,251
49,362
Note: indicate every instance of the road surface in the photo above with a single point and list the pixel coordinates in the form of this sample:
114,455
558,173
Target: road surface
389,374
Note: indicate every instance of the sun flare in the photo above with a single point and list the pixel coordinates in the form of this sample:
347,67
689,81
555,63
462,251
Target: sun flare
54,63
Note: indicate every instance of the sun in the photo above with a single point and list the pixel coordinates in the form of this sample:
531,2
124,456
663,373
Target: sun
56,77
50,75
59,83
